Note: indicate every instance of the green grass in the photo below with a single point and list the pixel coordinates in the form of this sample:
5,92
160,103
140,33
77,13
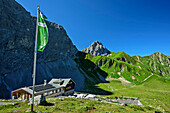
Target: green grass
77,106
17,107
155,92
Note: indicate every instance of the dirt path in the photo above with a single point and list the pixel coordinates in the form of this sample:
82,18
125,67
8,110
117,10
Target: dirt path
123,80
147,77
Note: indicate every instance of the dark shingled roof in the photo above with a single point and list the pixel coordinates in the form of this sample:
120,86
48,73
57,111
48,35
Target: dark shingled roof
42,87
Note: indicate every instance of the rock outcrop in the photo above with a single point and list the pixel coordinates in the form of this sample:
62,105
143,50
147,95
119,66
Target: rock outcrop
17,32
160,64
96,48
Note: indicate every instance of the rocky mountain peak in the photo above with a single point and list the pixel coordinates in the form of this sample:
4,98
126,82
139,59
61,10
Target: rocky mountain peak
97,48
97,42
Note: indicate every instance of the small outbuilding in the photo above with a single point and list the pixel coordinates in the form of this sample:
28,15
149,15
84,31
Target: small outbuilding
56,87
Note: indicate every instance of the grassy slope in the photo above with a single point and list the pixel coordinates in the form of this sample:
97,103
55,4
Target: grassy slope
154,92
134,69
114,64
157,63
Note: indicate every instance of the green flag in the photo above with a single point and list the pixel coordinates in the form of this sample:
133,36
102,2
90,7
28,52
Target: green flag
42,36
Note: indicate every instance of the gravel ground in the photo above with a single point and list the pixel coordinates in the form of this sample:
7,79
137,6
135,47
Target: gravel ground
6,103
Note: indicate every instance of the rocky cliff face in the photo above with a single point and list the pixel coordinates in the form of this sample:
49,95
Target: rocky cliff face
96,48
17,39
17,33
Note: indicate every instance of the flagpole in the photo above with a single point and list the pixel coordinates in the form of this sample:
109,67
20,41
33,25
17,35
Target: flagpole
35,58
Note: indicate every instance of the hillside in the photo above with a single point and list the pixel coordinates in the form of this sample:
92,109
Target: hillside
134,69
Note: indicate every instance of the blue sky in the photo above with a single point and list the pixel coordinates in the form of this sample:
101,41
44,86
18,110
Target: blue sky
137,27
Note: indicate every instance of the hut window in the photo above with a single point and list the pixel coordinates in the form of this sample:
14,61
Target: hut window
70,82
19,94
45,94
68,87
58,90
50,92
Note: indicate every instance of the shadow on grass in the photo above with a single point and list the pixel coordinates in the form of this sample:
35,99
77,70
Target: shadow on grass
96,90
93,75
45,103
50,104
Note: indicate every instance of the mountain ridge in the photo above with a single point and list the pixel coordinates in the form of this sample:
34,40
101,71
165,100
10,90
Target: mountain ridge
134,69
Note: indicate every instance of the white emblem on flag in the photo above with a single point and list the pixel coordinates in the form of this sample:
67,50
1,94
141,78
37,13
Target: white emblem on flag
42,24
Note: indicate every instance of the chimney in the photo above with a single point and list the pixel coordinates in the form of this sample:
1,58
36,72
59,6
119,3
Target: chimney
45,82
